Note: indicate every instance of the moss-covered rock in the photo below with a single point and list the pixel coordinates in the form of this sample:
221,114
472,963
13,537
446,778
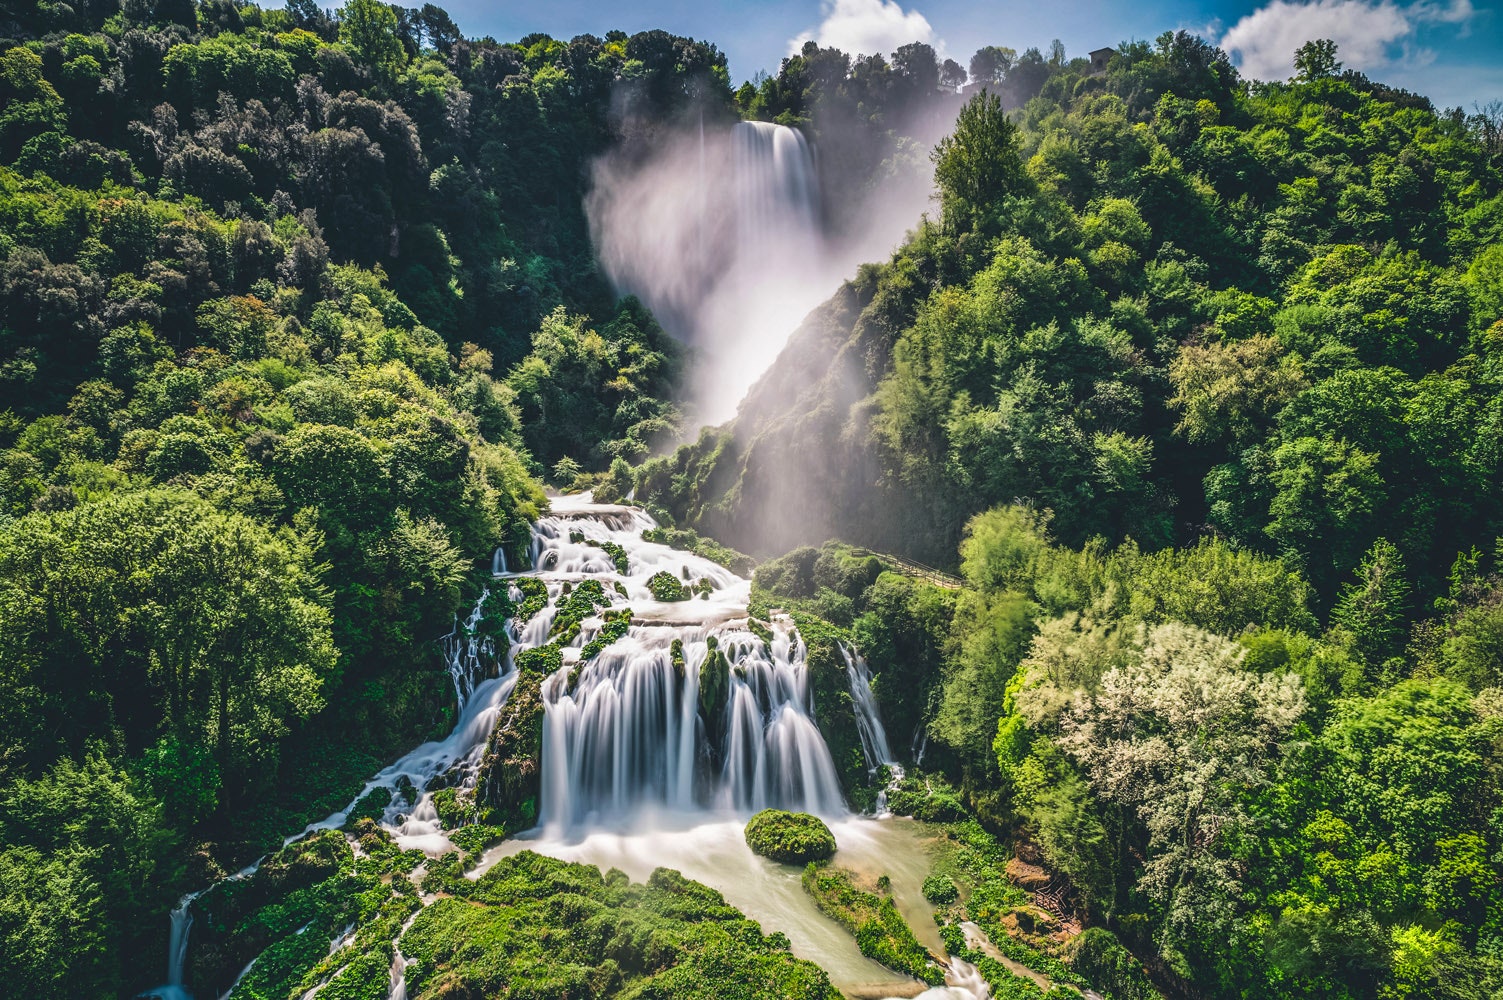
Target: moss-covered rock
617,624
579,604
666,587
541,661
792,838
714,684
618,555
940,889
370,806
508,783
534,597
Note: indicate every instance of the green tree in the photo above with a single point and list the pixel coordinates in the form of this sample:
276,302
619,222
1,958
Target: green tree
83,845
1373,609
1182,734
977,165
161,611
369,28
1315,60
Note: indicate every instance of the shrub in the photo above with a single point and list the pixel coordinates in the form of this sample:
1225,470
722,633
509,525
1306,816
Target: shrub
666,587
792,838
940,889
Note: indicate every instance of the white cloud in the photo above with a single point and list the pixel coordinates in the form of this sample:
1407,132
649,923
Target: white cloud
865,27
1366,33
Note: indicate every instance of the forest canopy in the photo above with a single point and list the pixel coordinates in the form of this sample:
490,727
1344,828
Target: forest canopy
1194,380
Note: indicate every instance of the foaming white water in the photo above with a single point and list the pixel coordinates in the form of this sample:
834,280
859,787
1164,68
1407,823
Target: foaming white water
690,709
963,981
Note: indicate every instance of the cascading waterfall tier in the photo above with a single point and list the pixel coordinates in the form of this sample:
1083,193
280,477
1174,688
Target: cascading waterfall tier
482,682
694,708
868,719
690,709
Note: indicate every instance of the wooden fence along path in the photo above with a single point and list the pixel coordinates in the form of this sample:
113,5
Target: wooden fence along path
917,569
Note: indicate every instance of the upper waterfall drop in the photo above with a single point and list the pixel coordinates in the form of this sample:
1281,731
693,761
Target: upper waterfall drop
777,192
720,232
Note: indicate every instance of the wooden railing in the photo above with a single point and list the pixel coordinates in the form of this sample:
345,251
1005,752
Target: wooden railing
909,567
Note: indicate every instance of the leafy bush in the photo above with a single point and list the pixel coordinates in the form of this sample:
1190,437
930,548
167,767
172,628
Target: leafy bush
940,889
666,587
928,797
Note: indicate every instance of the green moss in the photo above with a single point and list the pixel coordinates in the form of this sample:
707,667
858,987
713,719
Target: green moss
452,812
371,805
534,597
792,838
714,684
880,930
580,604
617,624
666,587
542,660
537,928
616,552
475,838
508,780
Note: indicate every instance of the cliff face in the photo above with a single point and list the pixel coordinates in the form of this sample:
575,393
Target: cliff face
802,442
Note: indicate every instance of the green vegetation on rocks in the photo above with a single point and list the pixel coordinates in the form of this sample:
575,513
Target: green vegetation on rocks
567,930
617,624
706,548
880,930
791,838
666,587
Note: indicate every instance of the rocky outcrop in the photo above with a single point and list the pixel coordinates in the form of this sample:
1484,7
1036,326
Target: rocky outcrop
509,781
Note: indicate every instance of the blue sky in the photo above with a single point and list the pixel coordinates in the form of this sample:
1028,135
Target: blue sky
1450,50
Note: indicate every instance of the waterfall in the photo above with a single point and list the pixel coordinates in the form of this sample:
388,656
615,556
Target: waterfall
467,652
776,192
398,976
177,950
868,720
498,562
690,709
720,233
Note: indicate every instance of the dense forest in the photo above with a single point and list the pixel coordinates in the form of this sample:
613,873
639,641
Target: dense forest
293,310
1196,382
